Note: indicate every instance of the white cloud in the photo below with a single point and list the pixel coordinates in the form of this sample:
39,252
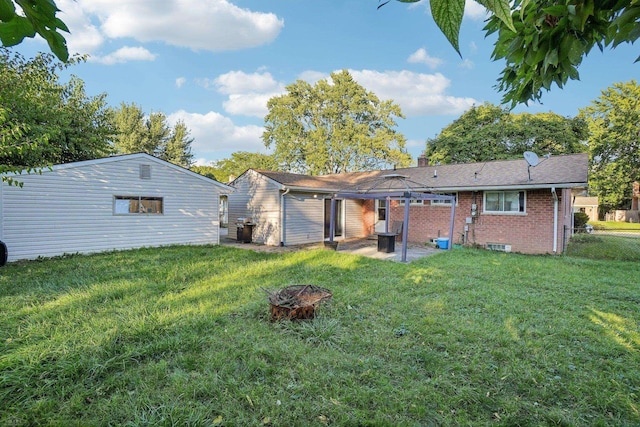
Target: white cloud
239,82
312,77
250,104
180,81
84,36
467,64
474,11
215,135
248,93
421,56
417,94
214,25
125,54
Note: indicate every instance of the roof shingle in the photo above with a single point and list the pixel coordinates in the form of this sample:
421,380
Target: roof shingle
568,170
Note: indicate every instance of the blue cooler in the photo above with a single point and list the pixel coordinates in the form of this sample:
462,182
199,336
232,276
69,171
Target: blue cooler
442,242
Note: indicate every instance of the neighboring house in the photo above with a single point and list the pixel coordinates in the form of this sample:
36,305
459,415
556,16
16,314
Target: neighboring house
503,205
588,205
118,202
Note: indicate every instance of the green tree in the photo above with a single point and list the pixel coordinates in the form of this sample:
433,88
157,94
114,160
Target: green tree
333,127
240,161
489,132
228,169
206,170
35,17
47,121
136,132
177,149
543,42
613,120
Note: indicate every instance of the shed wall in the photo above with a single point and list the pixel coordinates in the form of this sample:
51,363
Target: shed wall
304,219
256,198
70,210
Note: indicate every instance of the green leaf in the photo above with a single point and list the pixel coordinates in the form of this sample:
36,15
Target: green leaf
14,31
448,16
7,10
501,9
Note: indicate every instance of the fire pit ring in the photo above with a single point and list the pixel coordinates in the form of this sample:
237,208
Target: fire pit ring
296,302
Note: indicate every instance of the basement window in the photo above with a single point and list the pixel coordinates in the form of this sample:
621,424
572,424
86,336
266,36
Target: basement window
499,247
135,205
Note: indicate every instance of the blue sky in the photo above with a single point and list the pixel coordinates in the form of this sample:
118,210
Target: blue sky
215,63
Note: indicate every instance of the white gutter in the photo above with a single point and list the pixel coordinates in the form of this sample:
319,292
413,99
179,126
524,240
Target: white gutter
282,215
555,219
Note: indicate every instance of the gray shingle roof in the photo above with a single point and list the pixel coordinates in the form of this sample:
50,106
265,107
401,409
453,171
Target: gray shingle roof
568,170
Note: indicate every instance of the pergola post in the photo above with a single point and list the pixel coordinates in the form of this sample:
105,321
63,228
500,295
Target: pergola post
405,226
386,214
332,215
453,217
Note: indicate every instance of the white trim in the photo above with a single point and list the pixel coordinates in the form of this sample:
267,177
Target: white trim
445,203
509,212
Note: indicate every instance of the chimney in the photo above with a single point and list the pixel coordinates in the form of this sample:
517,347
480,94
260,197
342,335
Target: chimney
422,161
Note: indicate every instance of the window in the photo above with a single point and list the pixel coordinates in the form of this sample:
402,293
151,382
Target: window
127,205
145,171
504,201
414,202
444,202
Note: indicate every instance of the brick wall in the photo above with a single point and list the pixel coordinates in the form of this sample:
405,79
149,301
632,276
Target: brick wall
528,232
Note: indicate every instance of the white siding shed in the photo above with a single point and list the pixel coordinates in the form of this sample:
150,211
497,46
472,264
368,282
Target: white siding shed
118,202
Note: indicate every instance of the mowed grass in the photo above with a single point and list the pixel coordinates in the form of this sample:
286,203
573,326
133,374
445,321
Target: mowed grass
603,247
615,225
181,336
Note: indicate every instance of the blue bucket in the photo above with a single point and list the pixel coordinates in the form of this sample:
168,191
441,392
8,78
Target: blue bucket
443,243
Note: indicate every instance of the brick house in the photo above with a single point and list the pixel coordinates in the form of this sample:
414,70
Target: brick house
501,205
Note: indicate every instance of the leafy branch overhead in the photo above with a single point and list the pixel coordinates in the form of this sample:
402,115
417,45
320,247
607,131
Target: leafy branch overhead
542,42
37,17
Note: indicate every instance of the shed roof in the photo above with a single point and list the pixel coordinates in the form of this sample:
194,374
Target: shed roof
224,188
567,171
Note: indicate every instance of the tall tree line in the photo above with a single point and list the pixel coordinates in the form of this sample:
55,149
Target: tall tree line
45,121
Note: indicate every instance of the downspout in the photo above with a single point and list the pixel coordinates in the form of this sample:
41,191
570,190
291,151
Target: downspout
283,216
555,219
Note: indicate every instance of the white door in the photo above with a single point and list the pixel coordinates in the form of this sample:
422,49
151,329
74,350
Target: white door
381,215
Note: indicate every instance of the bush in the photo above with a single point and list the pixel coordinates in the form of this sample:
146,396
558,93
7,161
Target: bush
580,219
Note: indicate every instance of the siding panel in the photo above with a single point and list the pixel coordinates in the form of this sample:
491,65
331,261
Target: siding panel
70,209
304,219
259,199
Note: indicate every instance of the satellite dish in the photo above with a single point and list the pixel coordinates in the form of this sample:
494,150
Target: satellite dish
531,158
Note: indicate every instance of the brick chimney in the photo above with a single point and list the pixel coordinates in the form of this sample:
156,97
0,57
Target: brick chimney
422,161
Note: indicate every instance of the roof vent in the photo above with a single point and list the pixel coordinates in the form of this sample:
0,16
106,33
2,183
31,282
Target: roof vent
145,171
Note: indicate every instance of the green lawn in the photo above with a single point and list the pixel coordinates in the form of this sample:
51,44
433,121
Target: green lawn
181,336
612,225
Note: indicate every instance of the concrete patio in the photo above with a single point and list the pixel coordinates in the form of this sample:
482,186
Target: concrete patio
364,247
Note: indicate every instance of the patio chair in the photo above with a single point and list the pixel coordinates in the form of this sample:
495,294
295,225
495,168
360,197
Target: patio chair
396,228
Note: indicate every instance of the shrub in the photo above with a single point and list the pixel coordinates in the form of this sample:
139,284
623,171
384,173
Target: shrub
580,219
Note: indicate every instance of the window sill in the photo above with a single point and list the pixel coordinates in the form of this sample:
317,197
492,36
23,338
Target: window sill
505,213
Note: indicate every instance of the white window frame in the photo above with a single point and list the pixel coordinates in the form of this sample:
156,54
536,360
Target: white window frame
122,205
413,202
521,211
446,203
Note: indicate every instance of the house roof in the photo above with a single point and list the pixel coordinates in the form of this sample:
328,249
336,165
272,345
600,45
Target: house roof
585,201
139,156
564,171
